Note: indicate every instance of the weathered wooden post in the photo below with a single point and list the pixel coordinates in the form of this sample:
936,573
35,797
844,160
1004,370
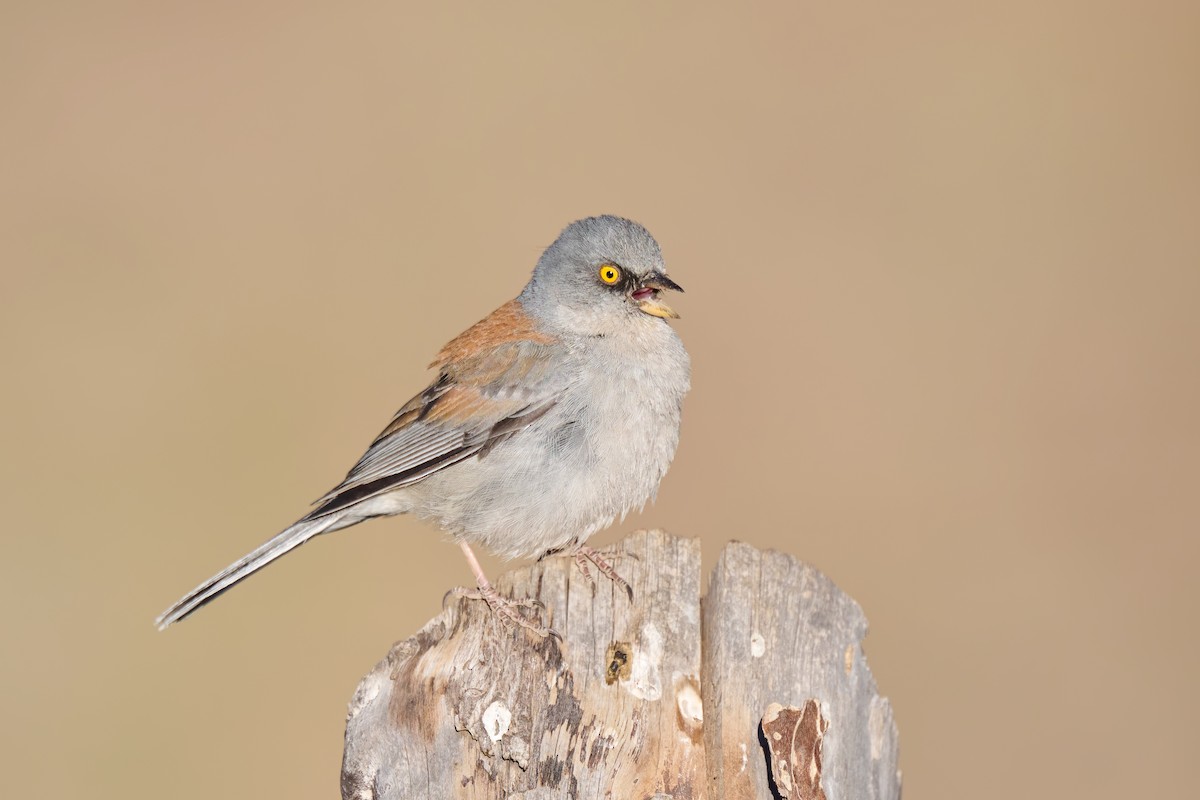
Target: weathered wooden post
761,691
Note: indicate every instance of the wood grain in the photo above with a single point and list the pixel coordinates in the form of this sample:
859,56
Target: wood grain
468,708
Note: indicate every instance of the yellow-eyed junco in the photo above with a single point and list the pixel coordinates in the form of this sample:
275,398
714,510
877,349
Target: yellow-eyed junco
548,419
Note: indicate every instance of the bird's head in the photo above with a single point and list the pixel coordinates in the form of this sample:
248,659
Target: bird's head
602,274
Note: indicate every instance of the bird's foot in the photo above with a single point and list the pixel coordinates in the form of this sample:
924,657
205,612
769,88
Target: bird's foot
506,608
584,554
503,607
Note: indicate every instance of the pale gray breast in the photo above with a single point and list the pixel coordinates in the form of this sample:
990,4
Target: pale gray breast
635,391
599,453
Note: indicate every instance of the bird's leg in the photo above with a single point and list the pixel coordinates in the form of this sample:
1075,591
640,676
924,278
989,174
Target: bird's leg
504,607
581,562
583,554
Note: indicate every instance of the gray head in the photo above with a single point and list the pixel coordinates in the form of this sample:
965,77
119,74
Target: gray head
601,274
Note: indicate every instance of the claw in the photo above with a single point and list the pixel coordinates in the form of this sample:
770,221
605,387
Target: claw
584,554
502,607
506,608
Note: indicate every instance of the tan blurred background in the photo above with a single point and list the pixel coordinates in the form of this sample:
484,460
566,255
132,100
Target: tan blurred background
943,268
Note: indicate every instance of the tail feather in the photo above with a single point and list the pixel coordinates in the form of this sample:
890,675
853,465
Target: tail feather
288,540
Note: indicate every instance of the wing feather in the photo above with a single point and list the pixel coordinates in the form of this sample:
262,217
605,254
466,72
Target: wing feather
477,401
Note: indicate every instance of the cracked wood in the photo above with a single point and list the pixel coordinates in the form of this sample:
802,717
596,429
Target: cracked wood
468,708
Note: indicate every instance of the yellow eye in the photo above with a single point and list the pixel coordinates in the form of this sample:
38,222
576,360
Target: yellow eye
610,274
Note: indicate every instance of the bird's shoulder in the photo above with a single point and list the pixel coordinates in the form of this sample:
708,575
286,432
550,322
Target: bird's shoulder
509,324
494,368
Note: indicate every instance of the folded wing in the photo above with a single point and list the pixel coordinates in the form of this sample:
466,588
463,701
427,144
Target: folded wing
479,398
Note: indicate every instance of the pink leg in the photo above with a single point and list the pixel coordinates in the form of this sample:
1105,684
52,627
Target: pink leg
503,607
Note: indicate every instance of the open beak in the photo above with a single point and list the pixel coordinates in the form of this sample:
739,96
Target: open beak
646,295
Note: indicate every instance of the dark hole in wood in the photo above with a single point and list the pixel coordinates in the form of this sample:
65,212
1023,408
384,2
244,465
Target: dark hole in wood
766,749
618,659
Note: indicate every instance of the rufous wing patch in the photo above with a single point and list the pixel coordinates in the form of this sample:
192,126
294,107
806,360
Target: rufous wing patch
508,323
478,355
794,740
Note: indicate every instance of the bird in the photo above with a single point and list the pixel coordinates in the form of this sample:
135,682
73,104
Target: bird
546,421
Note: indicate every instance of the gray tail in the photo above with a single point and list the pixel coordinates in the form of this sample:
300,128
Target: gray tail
290,539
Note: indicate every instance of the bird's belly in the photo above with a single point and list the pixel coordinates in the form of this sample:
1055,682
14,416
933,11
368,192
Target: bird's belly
568,475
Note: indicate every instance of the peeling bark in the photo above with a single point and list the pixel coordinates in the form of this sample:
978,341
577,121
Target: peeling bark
469,708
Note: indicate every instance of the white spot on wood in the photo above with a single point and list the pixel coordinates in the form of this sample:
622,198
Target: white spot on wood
745,760
496,720
645,680
758,645
691,707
